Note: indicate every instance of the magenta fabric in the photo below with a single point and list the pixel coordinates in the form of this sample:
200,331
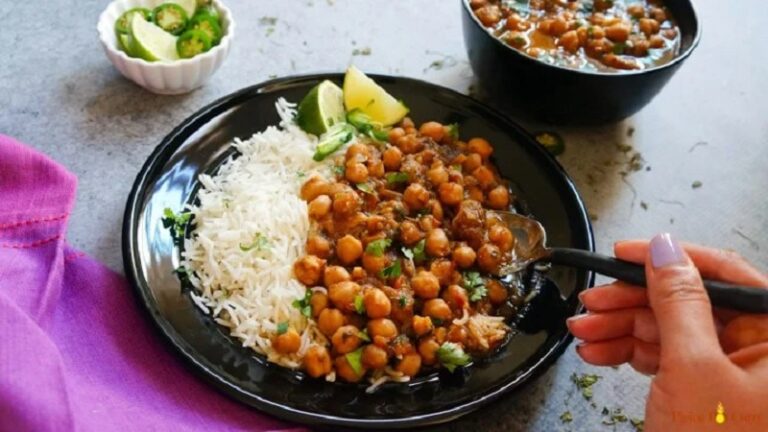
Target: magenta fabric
75,351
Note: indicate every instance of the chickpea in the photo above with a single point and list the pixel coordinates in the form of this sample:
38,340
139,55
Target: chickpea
534,52
620,62
451,193
288,342
377,304
374,264
489,258
376,168
313,188
317,362
656,42
349,249
583,34
502,237
601,5
346,339
475,193
410,144
480,146
436,209
415,196
433,130
437,244
374,357
356,172
440,334
658,14
596,48
456,297
359,273
457,334
309,269
570,41
437,175
410,234
319,246
545,26
329,321
474,4
558,27
409,365
425,285
618,32
428,350
319,207
636,10
443,270
318,301
489,15
392,157
335,274
358,152
516,22
497,293
381,331
343,294
395,134
345,371
516,39
598,32
649,26
421,325
437,308
640,47
428,223
498,198
464,256
472,161
484,176
345,203
669,33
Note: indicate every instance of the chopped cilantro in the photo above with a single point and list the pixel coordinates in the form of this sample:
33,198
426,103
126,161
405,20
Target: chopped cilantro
363,335
585,383
619,48
396,177
452,356
453,131
359,306
697,184
475,286
355,360
436,322
183,273
378,247
566,417
337,170
303,304
176,223
282,327
392,271
260,243
365,187
416,253
403,300
639,424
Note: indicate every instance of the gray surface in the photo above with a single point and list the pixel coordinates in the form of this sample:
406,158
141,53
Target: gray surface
62,96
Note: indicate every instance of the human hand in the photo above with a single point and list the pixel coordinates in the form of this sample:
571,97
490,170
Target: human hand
700,357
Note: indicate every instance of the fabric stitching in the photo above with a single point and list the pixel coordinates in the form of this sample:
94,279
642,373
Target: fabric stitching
30,245
71,256
42,219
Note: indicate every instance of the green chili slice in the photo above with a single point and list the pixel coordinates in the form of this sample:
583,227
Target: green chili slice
170,17
209,25
192,43
122,23
209,10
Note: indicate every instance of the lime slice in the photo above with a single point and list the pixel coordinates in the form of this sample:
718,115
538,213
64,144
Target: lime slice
150,42
125,41
189,6
321,108
361,92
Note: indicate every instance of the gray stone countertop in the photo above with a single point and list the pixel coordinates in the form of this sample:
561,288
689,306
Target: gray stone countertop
61,95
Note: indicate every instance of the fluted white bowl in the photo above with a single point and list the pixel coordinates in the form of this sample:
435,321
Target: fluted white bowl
164,77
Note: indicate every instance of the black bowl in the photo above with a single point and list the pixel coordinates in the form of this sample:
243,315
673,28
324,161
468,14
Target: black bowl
169,178
523,85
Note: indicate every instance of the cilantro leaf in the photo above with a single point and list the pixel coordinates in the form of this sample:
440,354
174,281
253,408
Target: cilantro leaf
365,187
303,304
363,335
378,247
282,327
359,306
260,243
176,223
403,300
566,417
392,271
475,285
452,356
453,131
396,177
417,252
355,360
585,383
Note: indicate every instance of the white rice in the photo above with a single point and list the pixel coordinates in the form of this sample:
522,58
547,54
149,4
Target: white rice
257,193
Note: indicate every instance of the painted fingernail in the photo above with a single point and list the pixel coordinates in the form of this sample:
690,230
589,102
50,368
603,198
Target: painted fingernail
665,251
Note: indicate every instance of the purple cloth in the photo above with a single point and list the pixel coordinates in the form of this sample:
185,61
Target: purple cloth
75,352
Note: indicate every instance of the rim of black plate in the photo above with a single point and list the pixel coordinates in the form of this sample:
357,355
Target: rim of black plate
160,156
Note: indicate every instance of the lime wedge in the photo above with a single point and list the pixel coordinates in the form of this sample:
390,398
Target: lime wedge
321,108
189,6
150,42
125,41
361,92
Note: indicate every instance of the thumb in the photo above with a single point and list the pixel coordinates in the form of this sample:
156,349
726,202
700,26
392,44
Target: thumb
680,304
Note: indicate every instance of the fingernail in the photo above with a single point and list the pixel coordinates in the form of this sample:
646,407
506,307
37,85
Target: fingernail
581,296
573,319
665,251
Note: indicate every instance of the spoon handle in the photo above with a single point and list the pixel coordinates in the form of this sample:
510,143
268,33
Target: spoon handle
721,294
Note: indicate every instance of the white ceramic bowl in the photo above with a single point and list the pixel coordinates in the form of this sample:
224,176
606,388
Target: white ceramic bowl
176,77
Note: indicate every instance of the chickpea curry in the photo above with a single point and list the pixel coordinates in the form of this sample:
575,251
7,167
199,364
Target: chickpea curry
597,35
401,257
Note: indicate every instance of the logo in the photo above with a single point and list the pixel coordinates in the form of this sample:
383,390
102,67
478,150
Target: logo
720,416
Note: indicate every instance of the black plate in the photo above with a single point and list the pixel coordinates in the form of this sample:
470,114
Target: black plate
169,179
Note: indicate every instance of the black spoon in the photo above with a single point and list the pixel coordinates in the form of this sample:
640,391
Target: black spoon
531,247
